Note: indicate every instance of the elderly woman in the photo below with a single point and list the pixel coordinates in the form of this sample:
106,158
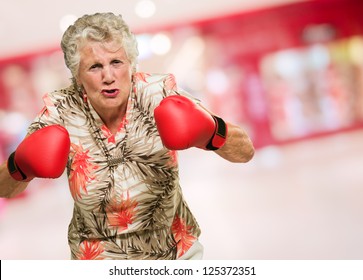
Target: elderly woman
116,130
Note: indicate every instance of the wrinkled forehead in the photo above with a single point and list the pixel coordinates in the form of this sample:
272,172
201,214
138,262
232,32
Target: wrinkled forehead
101,50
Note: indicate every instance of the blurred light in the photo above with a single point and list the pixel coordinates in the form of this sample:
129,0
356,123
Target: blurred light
13,123
145,8
187,58
217,82
66,21
355,49
289,64
160,44
319,57
143,44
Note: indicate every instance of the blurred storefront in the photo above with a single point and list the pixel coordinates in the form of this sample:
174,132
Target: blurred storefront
286,73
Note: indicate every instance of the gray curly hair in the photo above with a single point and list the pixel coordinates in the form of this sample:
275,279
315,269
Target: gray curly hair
97,27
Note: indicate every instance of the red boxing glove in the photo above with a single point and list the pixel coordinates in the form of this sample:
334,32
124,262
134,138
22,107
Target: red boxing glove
42,154
183,124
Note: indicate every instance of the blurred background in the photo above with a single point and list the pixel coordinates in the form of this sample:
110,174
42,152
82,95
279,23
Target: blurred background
289,72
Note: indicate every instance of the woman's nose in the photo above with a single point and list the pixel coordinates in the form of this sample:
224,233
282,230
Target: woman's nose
108,76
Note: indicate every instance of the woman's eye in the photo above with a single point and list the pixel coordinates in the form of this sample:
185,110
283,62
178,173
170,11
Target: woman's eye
95,66
116,61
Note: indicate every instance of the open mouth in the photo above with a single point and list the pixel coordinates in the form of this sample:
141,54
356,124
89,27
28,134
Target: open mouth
110,92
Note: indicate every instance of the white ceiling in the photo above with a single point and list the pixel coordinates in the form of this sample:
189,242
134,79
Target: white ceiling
30,25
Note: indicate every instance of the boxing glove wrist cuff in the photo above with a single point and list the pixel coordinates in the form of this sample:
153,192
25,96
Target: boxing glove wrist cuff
14,171
220,135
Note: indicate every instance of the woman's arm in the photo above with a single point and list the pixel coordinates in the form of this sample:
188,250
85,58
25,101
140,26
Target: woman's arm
238,146
9,187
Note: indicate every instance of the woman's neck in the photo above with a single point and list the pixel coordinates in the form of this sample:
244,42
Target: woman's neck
113,120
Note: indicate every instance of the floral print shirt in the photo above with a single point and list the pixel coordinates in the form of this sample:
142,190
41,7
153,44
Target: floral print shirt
128,203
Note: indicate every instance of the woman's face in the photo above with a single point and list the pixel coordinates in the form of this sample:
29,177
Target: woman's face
105,74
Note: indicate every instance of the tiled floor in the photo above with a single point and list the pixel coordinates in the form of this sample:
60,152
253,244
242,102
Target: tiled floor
300,201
